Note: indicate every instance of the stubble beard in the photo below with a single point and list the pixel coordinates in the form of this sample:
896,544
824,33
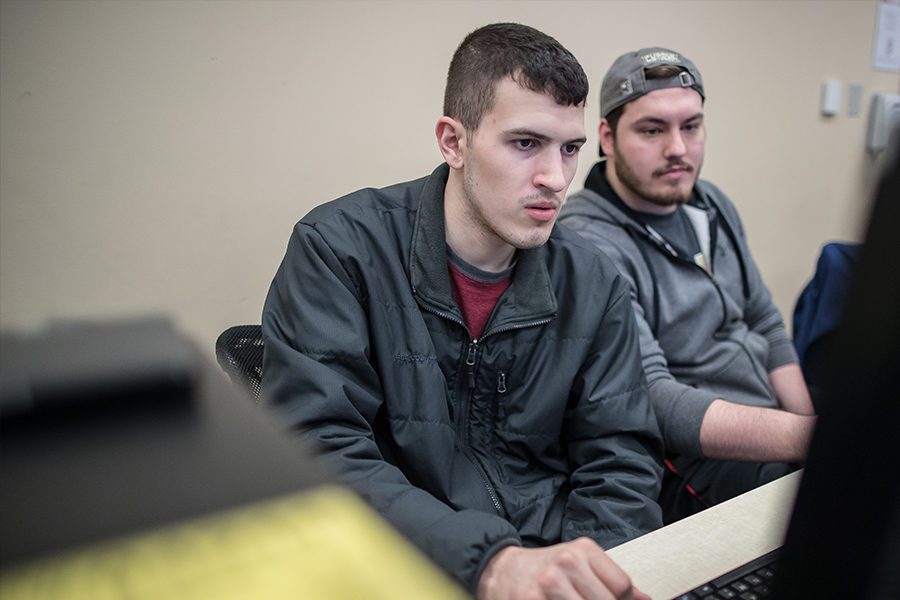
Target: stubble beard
668,196
478,218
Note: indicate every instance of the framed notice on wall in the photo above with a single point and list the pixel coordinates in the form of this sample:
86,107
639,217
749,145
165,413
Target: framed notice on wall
886,49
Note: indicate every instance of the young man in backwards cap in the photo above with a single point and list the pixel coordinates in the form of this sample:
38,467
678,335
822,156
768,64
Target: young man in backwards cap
723,376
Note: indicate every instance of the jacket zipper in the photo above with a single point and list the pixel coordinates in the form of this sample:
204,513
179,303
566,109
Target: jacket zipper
671,252
471,360
501,383
499,408
715,285
501,388
665,247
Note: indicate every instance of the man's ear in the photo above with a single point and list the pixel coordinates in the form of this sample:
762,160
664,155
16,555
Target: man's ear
451,139
605,134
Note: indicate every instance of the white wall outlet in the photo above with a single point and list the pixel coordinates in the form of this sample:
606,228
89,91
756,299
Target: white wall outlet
831,97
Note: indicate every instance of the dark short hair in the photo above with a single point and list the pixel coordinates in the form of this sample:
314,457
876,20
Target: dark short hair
533,59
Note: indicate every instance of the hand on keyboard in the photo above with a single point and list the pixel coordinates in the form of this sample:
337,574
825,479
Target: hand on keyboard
576,569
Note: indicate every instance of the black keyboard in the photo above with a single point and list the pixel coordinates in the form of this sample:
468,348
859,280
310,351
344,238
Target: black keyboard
751,581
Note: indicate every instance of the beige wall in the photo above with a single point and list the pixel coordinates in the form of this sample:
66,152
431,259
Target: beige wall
154,155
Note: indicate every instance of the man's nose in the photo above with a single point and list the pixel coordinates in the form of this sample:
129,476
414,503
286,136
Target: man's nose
551,173
675,145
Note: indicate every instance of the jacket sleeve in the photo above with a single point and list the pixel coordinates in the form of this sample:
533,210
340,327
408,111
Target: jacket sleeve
318,376
760,312
612,436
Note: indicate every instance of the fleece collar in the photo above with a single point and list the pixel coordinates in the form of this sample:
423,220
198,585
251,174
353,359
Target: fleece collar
529,296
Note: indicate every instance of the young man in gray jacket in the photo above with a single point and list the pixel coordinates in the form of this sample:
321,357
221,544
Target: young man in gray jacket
471,369
723,375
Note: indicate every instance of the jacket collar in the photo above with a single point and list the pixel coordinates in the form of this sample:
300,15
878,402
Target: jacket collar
531,293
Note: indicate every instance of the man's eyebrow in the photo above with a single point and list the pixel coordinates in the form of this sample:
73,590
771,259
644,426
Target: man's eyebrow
660,121
525,132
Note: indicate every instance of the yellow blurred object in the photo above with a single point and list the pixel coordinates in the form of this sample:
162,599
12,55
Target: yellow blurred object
321,543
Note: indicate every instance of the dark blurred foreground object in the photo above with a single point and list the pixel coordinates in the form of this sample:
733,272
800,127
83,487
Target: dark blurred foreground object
843,540
110,427
131,467
70,365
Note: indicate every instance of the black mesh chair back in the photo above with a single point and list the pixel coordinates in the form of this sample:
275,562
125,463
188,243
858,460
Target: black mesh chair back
239,350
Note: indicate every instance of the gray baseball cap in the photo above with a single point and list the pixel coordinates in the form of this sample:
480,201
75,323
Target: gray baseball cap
625,80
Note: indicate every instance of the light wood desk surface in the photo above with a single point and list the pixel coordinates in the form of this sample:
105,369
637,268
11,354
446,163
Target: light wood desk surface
679,557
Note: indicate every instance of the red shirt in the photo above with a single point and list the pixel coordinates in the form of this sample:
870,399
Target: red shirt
476,298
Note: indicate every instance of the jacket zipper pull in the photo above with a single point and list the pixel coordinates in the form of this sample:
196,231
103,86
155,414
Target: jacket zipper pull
499,405
470,362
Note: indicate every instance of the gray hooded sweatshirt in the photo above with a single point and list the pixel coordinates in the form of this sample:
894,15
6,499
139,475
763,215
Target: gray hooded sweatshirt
708,327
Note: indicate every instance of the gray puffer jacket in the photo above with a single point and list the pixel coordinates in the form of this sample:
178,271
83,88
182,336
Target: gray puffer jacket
541,431
704,335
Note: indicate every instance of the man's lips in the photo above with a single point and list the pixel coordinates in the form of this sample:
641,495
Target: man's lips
674,171
541,211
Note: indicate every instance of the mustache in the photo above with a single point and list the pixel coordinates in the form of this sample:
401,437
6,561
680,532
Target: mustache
548,196
677,164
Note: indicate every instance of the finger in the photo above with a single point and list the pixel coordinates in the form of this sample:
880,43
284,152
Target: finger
639,595
613,577
587,584
575,561
556,583
592,590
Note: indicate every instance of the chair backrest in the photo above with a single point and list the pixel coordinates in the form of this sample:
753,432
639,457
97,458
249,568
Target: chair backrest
819,309
239,350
